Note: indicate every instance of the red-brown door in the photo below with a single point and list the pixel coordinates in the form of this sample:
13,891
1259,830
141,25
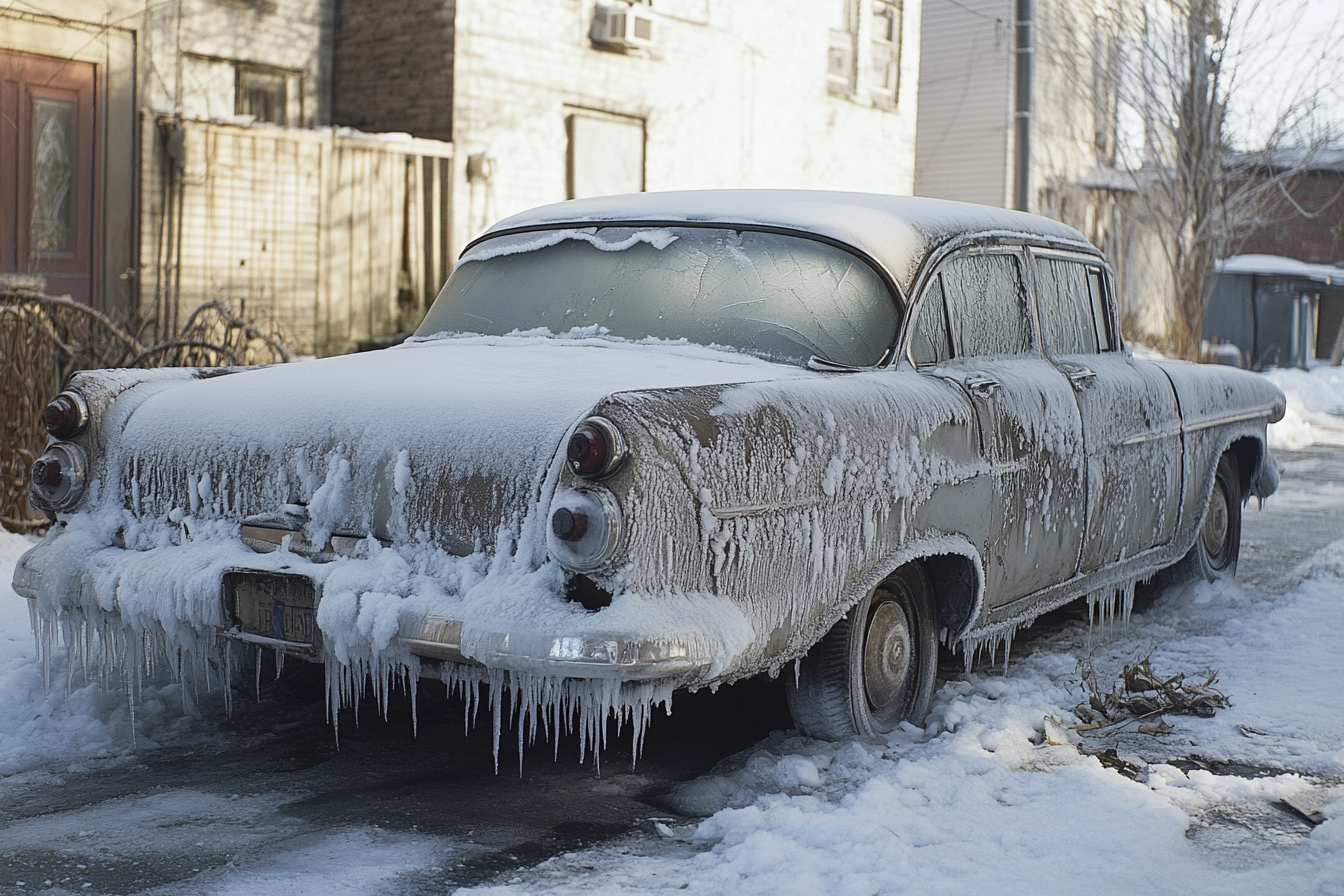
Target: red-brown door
48,179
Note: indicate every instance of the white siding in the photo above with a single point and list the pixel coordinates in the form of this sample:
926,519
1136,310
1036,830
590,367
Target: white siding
965,101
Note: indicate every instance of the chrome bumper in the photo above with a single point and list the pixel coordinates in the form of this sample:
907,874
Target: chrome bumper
612,657
606,656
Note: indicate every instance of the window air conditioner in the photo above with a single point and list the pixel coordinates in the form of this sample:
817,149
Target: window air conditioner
622,25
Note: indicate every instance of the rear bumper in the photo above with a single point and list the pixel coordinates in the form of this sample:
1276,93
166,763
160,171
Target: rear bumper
567,656
55,576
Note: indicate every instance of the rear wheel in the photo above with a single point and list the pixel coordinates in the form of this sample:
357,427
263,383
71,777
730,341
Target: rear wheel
1218,545
875,668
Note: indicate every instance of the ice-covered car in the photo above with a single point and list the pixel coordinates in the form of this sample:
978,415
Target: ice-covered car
663,441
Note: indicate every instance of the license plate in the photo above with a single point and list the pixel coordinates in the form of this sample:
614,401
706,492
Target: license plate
272,605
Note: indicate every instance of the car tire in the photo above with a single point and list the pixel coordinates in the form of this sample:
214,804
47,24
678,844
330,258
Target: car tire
1218,544
875,668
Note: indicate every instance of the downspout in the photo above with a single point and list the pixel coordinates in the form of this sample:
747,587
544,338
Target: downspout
1024,51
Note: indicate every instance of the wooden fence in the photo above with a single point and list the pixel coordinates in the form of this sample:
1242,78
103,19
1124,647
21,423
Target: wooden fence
331,237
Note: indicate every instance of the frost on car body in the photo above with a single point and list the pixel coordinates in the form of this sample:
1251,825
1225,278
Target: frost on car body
662,441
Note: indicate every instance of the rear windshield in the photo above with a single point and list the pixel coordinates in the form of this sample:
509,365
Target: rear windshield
781,297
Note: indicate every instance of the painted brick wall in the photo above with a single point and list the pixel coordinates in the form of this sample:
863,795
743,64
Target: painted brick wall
733,94
393,66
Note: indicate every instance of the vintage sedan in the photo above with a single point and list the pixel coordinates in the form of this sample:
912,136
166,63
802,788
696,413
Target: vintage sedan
662,441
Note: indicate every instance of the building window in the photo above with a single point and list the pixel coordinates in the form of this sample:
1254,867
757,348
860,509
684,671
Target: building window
606,154
886,50
840,59
265,93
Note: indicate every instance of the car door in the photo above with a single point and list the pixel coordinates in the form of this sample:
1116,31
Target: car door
974,328
1131,422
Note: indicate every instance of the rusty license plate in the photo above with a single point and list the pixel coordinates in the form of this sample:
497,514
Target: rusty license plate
272,605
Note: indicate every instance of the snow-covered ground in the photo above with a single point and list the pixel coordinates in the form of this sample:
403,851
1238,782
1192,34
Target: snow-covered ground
1315,407
989,796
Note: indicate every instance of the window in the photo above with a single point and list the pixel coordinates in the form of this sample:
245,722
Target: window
606,154
930,342
1096,287
986,306
1070,299
886,50
264,93
54,169
840,59
773,295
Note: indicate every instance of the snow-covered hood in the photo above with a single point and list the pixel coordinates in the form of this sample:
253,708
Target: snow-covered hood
452,438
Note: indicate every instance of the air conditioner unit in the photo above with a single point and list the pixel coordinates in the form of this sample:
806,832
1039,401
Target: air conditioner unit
624,25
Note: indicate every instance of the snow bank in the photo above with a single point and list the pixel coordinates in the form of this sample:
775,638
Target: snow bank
1315,407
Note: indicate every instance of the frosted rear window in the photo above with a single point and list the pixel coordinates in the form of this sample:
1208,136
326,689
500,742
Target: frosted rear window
777,296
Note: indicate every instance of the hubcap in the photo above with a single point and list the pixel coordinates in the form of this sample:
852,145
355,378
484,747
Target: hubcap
1215,523
886,655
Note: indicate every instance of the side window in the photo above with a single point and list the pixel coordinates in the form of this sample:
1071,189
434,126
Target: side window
929,342
1071,300
1096,287
986,306
1063,297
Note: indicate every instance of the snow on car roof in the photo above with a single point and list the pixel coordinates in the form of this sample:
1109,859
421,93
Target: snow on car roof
895,231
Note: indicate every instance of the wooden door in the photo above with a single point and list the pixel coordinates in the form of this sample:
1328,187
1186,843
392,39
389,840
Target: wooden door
49,215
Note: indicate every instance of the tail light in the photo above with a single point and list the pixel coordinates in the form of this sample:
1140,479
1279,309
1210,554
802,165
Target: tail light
59,477
66,415
585,528
596,448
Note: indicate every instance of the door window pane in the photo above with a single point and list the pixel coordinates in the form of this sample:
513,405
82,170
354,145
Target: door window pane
1096,286
53,224
929,343
1063,296
986,306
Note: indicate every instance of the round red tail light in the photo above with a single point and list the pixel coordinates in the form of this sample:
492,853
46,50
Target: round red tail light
596,448
66,415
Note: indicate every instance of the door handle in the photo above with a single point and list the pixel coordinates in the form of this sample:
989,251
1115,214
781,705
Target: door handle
981,386
1081,377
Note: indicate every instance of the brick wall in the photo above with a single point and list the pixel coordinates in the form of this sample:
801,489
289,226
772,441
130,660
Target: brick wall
393,66
1316,236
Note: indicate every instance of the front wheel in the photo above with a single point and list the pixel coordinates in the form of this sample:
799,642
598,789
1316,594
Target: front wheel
875,668
1218,545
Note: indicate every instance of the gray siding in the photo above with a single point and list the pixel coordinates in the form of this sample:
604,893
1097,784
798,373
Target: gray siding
965,101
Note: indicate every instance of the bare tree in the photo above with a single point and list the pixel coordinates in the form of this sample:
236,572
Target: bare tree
1196,190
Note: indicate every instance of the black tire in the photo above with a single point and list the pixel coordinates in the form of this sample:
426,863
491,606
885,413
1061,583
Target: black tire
875,668
1218,544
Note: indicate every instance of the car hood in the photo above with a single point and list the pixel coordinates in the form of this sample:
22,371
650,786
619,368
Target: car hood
454,439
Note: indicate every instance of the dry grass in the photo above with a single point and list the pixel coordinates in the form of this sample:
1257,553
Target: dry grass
44,339
1141,694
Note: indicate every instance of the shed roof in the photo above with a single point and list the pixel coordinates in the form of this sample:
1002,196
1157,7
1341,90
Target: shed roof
897,232
1278,266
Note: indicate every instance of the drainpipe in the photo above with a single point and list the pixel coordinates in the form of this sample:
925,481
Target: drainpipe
1025,48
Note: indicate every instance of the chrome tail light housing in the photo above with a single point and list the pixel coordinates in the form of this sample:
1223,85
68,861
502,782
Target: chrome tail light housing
584,529
59,477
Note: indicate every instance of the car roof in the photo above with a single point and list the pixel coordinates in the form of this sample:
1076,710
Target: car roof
896,232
